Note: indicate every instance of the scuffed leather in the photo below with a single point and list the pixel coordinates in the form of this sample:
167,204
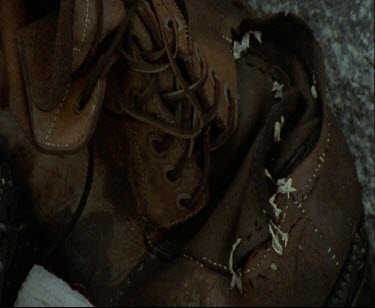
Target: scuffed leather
327,192
49,57
184,261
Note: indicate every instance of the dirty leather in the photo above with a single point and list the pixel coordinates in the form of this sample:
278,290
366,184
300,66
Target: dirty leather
217,181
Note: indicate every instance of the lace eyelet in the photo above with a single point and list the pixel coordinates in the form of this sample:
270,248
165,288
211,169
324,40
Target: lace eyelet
170,177
156,145
183,201
169,24
227,93
77,106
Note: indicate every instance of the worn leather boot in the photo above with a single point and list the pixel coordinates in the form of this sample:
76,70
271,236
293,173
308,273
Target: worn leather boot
216,174
259,239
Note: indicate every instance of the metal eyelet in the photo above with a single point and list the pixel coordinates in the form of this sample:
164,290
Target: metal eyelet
170,177
77,108
183,201
155,144
169,24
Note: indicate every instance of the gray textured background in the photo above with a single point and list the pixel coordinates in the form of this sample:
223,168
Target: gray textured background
345,30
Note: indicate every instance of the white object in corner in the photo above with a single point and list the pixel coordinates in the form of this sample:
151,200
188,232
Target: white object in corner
43,289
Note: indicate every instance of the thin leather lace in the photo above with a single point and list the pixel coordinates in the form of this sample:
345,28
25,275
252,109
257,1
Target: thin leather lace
151,64
188,92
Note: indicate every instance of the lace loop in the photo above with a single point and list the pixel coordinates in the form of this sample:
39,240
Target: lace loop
190,119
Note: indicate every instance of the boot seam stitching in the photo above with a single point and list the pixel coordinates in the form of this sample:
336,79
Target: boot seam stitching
321,163
57,116
83,38
55,119
86,24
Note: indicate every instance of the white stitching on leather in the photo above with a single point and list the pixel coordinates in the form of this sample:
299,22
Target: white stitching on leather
321,159
83,38
316,230
229,40
86,24
152,245
56,116
300,206
249,270
204,199
215,263
57,145
186,256
193,260
252,269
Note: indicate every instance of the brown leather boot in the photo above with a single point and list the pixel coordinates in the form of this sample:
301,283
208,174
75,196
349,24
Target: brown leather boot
216,175
267,226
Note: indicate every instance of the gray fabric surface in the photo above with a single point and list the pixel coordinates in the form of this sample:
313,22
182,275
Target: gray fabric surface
345,30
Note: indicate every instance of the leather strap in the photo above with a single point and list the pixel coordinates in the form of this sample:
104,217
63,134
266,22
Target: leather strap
46,49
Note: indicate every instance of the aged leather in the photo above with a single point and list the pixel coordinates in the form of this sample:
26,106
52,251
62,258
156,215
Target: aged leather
268,278
279,167
158,201
51,50
13,17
